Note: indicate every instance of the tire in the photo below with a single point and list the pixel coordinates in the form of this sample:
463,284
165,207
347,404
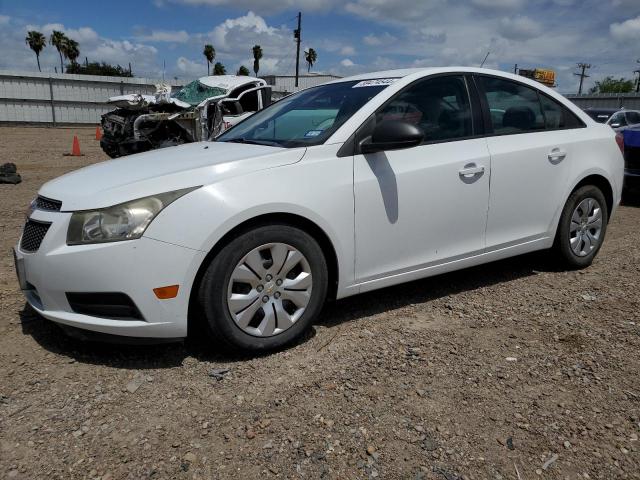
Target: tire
579,253
236,271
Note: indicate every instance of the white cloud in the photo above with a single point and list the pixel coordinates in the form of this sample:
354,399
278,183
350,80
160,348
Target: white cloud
629,30
190,68
347,50
498,4
375,40
172,36
519,28
261,6
347,63
251,24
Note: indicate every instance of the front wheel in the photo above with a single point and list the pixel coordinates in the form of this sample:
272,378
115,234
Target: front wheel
264,288
582,227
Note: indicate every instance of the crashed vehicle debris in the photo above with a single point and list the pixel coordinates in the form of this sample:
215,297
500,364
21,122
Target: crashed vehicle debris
200,110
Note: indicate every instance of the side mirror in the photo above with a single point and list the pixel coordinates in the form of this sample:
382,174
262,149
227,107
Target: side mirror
392,135
231,107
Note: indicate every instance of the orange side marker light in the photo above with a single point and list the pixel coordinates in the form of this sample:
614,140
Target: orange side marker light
165,293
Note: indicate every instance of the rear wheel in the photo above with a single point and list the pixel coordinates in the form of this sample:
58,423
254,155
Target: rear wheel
582,227
264,288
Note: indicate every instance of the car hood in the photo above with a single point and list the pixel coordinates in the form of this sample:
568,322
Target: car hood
115,181
137,101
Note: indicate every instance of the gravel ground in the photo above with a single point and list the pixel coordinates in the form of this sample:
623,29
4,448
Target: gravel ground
514,370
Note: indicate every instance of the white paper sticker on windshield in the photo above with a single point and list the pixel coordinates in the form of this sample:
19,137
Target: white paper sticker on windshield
313,133
376,82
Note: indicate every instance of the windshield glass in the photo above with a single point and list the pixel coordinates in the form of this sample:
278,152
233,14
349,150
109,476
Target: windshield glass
197,92
306,118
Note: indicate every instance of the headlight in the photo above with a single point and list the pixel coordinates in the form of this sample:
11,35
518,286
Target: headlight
126,221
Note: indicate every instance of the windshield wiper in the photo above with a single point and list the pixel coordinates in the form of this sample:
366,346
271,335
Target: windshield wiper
253,142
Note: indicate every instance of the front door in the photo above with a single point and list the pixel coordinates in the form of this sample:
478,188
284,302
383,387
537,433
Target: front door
424,205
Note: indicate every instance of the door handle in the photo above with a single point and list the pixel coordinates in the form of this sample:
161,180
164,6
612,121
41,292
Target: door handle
471,170
556,155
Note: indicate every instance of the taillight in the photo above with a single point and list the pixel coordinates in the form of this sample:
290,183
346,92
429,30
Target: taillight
620,141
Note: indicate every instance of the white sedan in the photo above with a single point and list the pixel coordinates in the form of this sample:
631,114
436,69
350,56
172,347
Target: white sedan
358,184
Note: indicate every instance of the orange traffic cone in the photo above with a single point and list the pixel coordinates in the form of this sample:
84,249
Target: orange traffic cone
98,133
75,149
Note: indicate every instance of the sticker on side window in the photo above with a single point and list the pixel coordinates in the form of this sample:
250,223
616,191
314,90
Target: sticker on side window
376,82
313,133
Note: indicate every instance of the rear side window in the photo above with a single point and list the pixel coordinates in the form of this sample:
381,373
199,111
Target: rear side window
618,120
557,116
514,108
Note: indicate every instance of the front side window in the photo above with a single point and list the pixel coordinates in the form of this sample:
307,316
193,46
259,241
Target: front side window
514,108
618,120
439,107
306,118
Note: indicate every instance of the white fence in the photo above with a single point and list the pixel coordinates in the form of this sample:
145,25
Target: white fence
63,98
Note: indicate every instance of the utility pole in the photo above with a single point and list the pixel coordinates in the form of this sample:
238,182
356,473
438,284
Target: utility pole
638,80
515,69
582,75
297,34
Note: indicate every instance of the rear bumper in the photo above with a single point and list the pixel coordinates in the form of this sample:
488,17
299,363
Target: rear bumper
132,267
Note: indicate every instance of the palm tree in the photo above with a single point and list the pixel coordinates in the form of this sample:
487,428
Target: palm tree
218,69
243,71
209,53
310,56
57,39
71,50
257,55
36,42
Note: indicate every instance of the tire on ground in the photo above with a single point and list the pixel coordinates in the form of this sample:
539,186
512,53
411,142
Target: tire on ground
215,281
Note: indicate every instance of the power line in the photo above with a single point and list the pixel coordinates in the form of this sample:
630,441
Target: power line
582,74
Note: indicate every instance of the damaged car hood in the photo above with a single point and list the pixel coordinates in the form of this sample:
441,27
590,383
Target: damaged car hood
137,101
116,181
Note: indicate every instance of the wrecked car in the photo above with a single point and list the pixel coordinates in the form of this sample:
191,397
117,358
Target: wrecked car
199,111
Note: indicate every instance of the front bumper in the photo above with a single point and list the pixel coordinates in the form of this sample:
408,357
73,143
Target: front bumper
132,267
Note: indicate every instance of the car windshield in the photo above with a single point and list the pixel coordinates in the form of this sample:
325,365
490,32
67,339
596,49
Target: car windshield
306,118
196,92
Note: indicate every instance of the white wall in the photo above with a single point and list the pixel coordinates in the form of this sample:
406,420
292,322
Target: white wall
27,96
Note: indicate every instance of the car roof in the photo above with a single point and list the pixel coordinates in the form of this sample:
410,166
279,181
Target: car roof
229,81
420,72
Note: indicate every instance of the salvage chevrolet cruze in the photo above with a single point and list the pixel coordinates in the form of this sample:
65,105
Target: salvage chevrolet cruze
343,188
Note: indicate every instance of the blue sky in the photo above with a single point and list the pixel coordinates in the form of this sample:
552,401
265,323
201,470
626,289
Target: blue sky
350,36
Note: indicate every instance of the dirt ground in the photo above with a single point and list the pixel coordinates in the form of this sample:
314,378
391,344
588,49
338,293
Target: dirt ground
514,370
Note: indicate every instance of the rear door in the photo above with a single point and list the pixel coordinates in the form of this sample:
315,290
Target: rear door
532,144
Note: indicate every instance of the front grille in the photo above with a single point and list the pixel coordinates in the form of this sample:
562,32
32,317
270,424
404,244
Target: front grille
104,304
44,203
33,234
632,158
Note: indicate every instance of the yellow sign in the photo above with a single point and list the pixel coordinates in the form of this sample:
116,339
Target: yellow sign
545,76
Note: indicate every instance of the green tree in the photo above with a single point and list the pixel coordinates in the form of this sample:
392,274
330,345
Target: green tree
57,39
310,56
36,42
95,68
218,69
210,54
257,55
71,50
243,70
612,85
